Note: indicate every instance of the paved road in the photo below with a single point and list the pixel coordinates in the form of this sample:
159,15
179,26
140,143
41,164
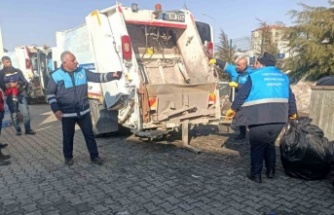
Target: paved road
145,178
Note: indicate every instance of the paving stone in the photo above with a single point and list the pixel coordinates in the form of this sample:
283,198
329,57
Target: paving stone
48,207
151,207
35,213
11,208
99,208
29,208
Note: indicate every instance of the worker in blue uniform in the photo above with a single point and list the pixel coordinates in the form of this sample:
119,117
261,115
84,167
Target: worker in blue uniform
67,94
264,104
239,76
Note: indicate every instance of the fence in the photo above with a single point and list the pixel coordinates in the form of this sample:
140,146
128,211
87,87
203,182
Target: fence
243,44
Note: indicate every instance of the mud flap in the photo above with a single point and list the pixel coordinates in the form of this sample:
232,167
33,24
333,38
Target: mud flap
103,120
185,138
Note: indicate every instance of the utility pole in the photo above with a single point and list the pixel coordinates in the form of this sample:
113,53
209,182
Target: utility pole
231,46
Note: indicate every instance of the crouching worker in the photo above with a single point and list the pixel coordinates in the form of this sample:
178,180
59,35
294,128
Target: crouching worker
67,94
265,102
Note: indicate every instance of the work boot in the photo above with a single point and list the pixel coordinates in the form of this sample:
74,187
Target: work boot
31,132
18,133
256,177
5,162
4,157
69,161
97,160
3,145
270,174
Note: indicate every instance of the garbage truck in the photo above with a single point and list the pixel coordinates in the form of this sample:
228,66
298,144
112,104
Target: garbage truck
32,61
166,84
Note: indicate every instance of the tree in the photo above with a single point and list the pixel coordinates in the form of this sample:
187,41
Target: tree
225,49
311,42
226,52
268,43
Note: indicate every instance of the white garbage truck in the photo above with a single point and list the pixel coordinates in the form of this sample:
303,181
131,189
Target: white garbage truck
33,62
167,83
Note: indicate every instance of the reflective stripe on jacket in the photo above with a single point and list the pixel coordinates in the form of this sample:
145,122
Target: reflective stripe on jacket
67,91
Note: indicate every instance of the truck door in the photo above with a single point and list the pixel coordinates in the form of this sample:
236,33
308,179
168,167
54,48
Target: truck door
42,71
107,51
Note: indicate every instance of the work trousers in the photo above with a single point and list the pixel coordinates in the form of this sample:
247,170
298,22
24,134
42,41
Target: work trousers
242,130
85,124
262,146
2,115
23,107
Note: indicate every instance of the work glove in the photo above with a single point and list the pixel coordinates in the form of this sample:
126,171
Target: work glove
233,84
117,75
293,116
230,114
212,61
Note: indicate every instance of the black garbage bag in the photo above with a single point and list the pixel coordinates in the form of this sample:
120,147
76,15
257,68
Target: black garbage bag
326,81
305,152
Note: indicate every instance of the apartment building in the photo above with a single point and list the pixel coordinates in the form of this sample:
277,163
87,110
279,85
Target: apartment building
275,32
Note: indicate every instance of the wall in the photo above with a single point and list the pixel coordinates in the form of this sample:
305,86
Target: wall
302,91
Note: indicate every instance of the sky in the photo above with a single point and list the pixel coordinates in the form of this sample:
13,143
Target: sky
34,22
